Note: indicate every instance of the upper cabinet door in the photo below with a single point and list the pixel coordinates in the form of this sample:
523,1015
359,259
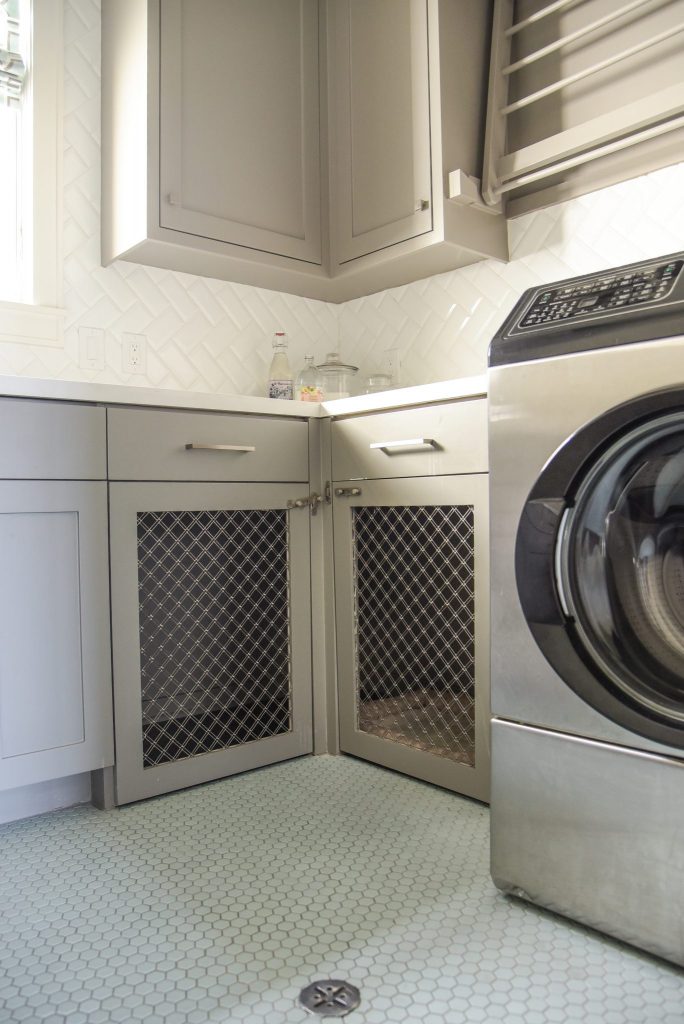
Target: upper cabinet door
380,124
239,131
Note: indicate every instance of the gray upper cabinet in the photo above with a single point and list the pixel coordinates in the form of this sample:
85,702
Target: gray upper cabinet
406,107
210,151
240,165
381,165
298,145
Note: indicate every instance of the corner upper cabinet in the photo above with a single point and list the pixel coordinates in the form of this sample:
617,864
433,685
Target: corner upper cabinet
211,137
303,146
406,105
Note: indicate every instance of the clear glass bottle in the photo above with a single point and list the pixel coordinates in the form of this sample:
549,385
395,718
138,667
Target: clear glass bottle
280,375
309,385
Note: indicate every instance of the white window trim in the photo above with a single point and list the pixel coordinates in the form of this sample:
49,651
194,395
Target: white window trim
42,321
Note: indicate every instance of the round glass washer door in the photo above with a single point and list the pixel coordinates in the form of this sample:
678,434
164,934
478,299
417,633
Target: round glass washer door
620,566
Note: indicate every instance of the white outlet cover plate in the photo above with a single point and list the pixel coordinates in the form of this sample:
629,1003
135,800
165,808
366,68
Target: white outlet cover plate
134,353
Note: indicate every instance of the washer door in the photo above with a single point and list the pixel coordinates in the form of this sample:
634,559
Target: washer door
600,574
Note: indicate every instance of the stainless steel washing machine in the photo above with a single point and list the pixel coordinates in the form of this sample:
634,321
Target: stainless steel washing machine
586,391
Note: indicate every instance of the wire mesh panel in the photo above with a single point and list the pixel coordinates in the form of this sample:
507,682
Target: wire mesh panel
414,615
214,630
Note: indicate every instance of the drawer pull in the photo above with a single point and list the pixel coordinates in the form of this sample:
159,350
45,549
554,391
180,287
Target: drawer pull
389,447
220,447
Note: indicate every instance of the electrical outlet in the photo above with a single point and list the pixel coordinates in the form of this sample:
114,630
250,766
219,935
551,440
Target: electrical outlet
134,356
91,348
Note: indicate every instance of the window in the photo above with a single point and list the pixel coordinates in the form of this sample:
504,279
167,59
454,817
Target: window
13,50
30,165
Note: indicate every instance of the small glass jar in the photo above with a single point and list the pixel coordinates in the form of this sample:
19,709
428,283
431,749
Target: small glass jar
309,383
337,376
376,382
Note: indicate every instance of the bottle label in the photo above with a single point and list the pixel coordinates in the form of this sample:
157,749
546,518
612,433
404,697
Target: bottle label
280,389
310,393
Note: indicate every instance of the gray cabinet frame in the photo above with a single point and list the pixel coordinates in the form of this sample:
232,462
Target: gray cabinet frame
81,661
469,489
133,782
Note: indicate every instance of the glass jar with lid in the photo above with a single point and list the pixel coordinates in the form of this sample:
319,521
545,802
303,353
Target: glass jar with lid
337,376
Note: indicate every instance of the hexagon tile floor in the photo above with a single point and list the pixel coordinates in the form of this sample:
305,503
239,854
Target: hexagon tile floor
221,902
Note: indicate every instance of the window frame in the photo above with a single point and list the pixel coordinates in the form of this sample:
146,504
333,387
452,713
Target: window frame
40,320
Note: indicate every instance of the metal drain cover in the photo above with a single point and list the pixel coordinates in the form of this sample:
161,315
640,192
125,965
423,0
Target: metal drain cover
330,998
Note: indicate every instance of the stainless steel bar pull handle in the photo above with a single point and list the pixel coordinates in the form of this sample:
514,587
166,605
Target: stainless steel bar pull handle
390,447
192,447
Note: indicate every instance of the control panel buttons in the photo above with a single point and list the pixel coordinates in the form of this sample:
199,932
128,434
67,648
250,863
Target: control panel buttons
603,294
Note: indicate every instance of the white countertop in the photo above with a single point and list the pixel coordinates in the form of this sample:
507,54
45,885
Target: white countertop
117,394
421,394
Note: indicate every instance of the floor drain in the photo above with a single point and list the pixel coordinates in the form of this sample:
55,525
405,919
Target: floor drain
330,998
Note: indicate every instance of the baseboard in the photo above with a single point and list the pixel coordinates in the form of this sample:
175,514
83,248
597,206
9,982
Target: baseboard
44,796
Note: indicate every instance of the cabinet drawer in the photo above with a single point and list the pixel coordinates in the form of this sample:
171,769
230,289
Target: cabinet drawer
439,439
152,444
51,441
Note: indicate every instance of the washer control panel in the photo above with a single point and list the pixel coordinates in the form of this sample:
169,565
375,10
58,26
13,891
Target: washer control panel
606,292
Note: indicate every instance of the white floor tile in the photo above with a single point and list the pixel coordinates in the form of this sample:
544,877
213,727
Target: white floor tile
220,903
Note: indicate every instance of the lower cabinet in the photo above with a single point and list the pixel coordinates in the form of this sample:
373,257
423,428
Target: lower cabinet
55,677
206,570
211,622
411,595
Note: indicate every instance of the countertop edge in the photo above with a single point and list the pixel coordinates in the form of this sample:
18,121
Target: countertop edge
119,394
419,394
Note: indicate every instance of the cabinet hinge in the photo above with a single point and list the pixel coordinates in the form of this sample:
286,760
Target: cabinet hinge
347,492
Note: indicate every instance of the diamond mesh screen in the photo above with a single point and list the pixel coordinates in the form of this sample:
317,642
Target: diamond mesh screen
414,626
214,630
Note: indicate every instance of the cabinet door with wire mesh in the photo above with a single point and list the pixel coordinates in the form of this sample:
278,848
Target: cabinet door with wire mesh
411,583
211,632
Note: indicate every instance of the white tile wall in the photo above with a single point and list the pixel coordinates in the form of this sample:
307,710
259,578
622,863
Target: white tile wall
211,336
443,325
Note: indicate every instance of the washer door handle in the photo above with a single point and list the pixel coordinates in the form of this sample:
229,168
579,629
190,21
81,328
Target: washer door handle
535,560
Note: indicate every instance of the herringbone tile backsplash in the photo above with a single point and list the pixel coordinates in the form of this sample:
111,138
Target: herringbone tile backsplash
211,336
